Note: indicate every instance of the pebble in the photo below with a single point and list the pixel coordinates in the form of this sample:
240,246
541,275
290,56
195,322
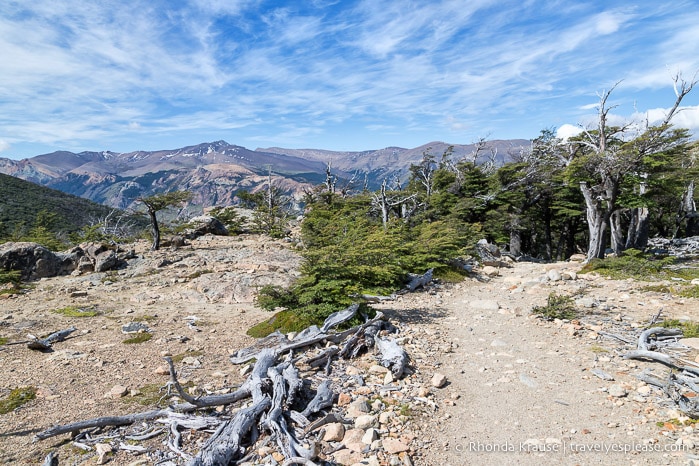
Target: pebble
365,421
439,380
617,391
334,432
393,446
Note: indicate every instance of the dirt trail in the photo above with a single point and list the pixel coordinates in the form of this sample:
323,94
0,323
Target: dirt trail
525,391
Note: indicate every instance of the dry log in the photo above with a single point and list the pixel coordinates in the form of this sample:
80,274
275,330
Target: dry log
291,375
45,343
661,358
323,399
393,356
226,444
276,423
302,341
339,317
644,340
51,459
417,281
107,421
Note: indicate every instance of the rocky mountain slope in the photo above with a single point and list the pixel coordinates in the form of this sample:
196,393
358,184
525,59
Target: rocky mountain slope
491,382
216,171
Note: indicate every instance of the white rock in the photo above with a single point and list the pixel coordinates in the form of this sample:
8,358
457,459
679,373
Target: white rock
365,421
439,380
617,391
370,435
334,432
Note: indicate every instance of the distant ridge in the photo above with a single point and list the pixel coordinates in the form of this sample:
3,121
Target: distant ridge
216,171
21,200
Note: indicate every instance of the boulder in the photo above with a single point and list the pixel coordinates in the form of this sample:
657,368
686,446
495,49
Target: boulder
204,225
35,261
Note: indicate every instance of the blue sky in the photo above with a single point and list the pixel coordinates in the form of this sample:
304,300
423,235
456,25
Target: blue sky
127,75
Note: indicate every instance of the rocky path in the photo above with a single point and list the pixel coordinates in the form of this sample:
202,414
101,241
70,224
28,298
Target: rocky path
521,391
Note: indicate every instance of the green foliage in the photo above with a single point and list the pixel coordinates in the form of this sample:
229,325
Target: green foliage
557,307
284,321
20,201
10,276
230,219
76,311
689,329
16,398
633,264
4,340
138,338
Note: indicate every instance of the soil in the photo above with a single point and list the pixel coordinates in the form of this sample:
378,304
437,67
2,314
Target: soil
519,388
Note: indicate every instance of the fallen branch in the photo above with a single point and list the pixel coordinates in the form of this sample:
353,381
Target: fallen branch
662,358
45,344
417,281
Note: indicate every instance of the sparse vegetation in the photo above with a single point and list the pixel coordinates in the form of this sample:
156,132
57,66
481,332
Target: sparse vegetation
284,321
138,338
689,329
557,307
152,395
4,340
144,318
189,353
598,349
16,398
633,264
77,311
198,273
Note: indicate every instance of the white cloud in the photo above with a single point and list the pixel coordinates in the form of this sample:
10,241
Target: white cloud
568,131
4,145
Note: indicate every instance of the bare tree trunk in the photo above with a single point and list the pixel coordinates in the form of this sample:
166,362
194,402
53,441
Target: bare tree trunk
596,223
515,242
616,235
155,230
688,210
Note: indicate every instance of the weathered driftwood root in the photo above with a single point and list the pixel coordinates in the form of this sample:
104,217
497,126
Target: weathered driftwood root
51,459
393,356
662,358
274,388
417,281
45,343
646,342
107,421
323,399
226,444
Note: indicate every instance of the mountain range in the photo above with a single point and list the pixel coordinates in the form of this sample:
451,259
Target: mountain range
216,171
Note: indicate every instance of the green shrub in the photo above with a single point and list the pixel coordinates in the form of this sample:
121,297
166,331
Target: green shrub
689,329
632,264
557,307
10,276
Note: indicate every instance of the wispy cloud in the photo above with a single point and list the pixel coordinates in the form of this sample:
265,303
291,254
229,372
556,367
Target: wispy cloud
85,75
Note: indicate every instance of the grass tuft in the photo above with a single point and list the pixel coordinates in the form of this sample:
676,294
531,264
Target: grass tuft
557,307
16,398
76,311
138,338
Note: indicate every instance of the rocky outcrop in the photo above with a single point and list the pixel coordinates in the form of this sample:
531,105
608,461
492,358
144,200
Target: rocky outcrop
205,225
34,261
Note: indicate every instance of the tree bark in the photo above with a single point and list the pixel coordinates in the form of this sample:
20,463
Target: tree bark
596,223
155,230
